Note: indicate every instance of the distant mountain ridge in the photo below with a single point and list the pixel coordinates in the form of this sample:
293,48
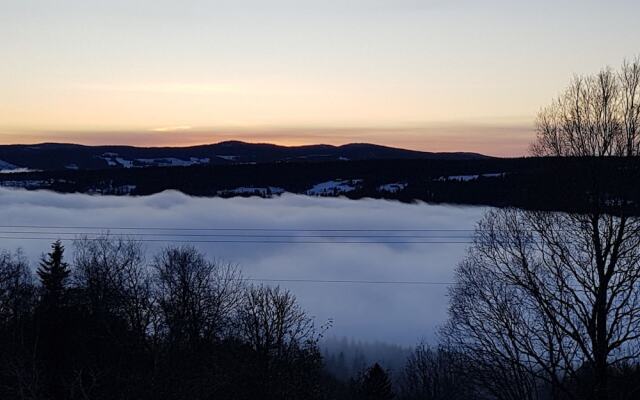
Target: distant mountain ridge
56,156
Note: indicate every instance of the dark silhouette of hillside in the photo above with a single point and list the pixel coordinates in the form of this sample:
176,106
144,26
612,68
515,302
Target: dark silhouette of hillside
57,156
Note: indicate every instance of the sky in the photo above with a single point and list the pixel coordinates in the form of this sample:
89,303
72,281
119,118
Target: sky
394,313
457,75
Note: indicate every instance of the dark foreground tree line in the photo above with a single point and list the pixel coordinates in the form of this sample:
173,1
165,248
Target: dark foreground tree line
107,323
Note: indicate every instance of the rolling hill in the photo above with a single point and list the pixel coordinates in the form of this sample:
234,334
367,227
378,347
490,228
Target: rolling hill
58,156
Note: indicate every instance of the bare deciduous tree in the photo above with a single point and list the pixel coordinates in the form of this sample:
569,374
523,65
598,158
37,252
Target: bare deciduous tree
283,343
556,297
550,294
16,289
196,297
272,322
113,275
17,302
434,374
630,82
597,115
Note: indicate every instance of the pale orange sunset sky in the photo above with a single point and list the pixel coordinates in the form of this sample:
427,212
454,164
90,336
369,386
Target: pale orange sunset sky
458,75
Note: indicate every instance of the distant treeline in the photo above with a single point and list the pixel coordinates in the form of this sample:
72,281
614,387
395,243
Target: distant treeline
346,358
543,183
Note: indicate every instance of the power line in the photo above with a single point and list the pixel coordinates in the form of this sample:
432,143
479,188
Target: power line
351,281
252,241
258,229
245,235
248,238
156,228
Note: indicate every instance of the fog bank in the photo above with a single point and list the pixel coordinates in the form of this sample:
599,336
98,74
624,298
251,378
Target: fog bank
395,313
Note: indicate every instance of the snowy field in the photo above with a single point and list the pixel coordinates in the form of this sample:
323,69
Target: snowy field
260,242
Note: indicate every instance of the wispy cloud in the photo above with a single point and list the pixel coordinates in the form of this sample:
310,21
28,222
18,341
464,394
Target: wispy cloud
162,87
172,128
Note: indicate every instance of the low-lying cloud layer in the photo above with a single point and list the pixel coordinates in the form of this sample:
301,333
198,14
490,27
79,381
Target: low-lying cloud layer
399,313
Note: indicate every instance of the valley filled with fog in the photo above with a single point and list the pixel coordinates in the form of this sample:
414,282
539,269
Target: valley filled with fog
401,255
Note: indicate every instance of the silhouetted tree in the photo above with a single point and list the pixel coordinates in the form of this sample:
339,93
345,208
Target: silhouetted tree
434,374
113,306
272,322
16,291
549,296
115,281
20,375
597,115
54,274
375,384
548,301
283,340
55,322
196,297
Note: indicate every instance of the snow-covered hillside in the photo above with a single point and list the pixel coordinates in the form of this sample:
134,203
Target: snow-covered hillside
335,187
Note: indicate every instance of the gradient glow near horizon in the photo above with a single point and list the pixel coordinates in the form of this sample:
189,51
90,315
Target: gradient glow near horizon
431,75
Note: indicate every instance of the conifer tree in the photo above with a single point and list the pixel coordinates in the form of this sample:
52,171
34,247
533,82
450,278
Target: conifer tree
54,343
53,273
376,385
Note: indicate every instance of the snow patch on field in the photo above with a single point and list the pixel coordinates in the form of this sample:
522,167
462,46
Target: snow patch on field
467,178
29,184
258,191
109,160
114,160
124,162
5,165
118,190
17,170
173,162
334,187
392,187
125,189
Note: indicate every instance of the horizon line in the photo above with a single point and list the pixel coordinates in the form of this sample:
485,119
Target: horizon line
501,140
368,143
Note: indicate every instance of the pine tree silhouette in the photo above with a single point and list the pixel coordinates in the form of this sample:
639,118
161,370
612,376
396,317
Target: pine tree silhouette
376,384
53,273
54,342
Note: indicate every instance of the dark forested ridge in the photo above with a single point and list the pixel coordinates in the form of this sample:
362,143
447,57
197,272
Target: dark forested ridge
53,156
535,183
